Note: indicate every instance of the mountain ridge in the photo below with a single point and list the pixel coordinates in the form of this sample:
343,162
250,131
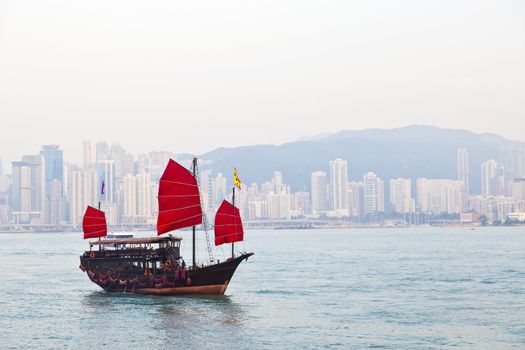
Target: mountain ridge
412,151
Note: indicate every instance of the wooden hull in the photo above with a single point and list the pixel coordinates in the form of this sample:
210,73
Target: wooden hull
207,280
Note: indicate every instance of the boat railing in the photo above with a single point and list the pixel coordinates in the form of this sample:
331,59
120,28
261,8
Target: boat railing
132,252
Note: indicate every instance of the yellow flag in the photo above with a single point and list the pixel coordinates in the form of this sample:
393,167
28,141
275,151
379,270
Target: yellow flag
236,180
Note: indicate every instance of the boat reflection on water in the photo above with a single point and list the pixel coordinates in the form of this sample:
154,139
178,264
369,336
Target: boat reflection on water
181,320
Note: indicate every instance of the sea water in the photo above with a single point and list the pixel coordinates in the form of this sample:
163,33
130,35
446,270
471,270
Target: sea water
403,288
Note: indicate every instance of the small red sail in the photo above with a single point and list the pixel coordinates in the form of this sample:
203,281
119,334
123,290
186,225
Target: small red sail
228,224
179,199
94,223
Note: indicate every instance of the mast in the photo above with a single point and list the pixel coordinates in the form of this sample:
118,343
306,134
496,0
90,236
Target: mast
193,227
233,202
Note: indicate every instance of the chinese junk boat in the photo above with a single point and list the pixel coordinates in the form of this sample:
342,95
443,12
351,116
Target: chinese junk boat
153,265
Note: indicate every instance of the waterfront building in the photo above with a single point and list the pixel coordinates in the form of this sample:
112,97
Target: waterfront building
463,170
517,188
300,204
257,208
5,209
338,193
219,190
278,205
513,161
28,190
206,186
144,199
496,208
401,196
438,196
355,198
83,191
56,206
492,178
373,194
277,181
52,156
319,192
129,198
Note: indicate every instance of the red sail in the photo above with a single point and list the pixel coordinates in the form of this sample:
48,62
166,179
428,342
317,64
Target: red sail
94,223
228,224
179,199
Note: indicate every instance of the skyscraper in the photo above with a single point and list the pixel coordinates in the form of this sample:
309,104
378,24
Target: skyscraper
54,180
517,189
206,187
54,163
124,163
106,174
492,178
462,168
28,190
374,193
88,154
439,196
101,151
219,189
144,199
277,181
401,195
83,191
355,198
338,192
129,197
319,192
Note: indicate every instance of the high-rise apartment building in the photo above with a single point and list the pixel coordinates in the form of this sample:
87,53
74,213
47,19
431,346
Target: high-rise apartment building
373,193
513,161
28,190
517,188
219,190
83,191
439,196
356,198
129,197
106,175
144,198
492,178
318,181
54,183
401,196
463,170
338,193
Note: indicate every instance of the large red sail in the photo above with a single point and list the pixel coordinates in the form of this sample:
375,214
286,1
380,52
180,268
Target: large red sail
94,223
228,224
179,199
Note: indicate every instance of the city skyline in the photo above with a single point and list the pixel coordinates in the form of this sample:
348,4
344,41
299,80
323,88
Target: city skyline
45,189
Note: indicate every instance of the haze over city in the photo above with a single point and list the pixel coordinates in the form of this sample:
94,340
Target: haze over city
191,77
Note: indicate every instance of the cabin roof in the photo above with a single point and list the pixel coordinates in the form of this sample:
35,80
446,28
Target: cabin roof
142,240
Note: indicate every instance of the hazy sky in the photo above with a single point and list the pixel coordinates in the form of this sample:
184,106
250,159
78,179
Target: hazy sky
189,76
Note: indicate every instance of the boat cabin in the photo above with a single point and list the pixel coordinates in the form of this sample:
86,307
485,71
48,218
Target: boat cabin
136,253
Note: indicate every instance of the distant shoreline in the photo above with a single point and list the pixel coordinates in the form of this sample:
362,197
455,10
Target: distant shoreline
145,229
